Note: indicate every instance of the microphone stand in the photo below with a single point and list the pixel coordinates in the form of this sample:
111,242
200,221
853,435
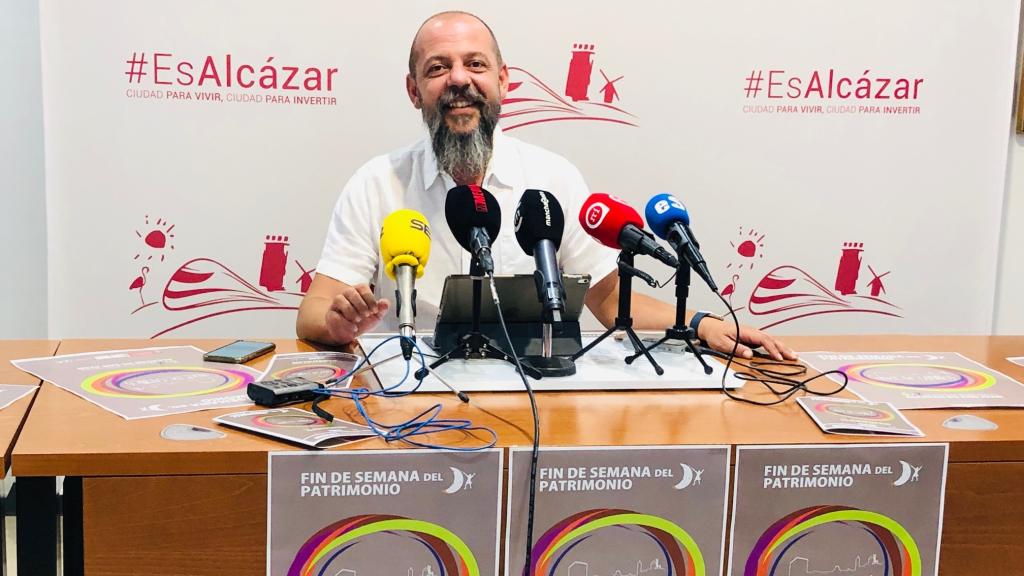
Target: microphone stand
680,331
623,320
475,345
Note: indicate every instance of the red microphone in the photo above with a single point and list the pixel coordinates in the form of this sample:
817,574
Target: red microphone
617,225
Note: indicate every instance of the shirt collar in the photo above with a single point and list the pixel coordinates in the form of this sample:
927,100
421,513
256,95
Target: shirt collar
502,167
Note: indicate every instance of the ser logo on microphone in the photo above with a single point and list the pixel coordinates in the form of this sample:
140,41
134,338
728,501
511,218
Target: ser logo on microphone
420,225
596,214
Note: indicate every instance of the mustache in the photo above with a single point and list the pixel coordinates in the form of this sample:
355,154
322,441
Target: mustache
467,93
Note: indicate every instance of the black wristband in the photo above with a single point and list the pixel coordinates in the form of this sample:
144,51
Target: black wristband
697,318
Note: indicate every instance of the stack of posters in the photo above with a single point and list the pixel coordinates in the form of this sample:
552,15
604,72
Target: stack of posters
146,382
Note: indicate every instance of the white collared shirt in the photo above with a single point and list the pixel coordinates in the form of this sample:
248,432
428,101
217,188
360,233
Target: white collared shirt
410,178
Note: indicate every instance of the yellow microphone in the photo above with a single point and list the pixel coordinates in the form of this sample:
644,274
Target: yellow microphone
405,249
405,240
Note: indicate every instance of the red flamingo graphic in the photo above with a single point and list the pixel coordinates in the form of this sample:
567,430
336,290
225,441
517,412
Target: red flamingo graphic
730,288
138,284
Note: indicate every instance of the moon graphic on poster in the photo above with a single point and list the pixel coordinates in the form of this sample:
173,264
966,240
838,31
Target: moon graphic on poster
904,474
457,482
687,477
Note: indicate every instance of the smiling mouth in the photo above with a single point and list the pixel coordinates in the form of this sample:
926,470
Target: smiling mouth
461,105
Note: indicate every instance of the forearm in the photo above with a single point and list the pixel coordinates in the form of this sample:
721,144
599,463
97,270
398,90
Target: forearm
652,314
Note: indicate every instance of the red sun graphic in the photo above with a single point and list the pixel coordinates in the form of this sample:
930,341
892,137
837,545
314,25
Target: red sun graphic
749,248
157,239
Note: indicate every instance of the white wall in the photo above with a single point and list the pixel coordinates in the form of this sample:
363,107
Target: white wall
1009,309
22,194
23,290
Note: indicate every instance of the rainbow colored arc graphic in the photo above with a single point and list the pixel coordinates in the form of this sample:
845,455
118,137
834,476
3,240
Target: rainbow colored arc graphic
902,557
683,555
855,412
115,383
958,380
325,371
286,421
453,556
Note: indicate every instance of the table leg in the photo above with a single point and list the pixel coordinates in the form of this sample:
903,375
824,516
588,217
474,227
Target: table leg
36,499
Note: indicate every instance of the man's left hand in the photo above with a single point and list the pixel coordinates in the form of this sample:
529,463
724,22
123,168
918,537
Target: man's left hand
721,335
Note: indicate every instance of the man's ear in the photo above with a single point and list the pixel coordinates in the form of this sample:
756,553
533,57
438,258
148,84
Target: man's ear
413,91
503,81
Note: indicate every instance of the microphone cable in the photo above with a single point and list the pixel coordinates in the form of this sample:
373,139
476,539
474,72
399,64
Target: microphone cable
785,375
535,453
426,422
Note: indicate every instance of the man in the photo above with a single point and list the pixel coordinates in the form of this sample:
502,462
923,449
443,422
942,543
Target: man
458,80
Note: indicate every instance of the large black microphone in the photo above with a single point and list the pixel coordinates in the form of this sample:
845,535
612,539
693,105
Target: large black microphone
474,217
539,225
670,221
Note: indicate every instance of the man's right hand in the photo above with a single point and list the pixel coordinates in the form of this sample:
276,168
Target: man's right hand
354,311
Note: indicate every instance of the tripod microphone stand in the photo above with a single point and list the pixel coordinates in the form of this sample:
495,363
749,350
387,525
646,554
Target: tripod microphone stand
623,320
680,330
475,344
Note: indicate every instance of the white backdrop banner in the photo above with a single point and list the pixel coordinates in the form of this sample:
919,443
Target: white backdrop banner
843,163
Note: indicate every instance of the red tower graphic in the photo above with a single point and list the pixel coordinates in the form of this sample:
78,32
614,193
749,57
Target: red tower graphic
275,259
577,83
849,268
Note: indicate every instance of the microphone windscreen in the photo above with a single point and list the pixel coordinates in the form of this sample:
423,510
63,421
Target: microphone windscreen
603,216
662,211
405,239
468,207
539,216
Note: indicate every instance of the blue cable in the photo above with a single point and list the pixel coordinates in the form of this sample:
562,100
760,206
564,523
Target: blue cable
426,422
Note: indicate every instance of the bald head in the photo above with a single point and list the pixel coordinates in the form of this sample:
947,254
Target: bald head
454,21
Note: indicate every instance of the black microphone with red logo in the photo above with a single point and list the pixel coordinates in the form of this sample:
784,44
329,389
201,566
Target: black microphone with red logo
474,217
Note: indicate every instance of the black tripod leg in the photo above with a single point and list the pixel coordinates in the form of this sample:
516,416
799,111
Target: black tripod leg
423,372
597,341
629,359
639,346
700,357
492,350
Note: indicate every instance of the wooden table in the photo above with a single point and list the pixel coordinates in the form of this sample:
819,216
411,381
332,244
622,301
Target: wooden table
154,506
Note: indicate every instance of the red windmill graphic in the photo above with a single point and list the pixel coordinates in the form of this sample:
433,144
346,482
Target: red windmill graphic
610,93
876,284
305,279
531,100
788,293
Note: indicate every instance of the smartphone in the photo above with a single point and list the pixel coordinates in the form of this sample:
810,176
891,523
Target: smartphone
239,351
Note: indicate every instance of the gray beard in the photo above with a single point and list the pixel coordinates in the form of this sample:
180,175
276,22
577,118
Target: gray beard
463,156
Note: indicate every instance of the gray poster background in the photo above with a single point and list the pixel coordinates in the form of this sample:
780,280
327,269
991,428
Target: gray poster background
840,548
699,509
471,512
315,366
10,393
1004,392
296,425
845,416
69,371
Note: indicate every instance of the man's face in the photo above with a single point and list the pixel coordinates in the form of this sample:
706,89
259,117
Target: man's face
458,79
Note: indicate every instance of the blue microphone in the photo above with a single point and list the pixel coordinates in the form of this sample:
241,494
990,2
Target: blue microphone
670,221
